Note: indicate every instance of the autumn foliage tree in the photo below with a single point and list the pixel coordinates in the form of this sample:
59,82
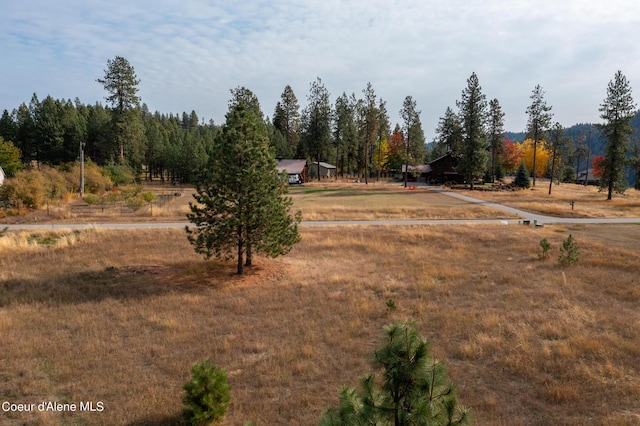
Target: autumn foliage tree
597,165
397,147
380,158
541,156
511,156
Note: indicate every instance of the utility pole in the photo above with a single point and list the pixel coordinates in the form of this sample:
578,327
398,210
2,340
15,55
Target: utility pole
82,144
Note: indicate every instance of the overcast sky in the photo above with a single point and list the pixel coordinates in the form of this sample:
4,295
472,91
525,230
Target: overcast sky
189,53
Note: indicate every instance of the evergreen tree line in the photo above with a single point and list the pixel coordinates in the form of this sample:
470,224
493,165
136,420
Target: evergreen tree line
354,133
50,131
474,135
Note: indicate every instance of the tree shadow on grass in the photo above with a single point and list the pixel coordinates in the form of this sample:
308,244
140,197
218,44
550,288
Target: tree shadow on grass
128,282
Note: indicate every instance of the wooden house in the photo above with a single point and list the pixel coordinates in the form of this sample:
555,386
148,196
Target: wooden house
443,170
294,167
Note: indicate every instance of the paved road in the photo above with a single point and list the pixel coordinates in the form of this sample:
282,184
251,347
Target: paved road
532,217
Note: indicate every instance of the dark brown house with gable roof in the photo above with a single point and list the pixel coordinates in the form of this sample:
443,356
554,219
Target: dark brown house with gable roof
443,170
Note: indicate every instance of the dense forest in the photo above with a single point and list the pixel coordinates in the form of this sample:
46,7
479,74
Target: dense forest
50,131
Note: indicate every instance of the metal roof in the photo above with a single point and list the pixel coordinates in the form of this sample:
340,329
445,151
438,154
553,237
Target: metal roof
291,166
422,168
323,164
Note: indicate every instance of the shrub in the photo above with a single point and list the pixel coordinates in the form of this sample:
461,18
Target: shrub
568,174
130,191
413,391
92,199
391,306
522,177
545,246
569,252
148,196
135,203
207,394
33,188
96,181
119,174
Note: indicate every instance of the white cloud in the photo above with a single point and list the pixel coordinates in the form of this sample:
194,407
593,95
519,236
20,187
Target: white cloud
188,54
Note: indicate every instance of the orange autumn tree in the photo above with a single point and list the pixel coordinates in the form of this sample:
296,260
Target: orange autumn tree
397,148
542,156
598,164
511,156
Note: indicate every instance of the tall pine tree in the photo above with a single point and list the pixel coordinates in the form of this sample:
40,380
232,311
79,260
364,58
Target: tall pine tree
369,125
384,134
121,83
496,135
539,122
316,124
449,133
286,120
473,119
240,203
344,133
617,110
412,127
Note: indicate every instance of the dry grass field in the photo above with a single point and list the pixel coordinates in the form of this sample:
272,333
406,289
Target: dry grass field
382,201
119,317
588,201
324,201
330,200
